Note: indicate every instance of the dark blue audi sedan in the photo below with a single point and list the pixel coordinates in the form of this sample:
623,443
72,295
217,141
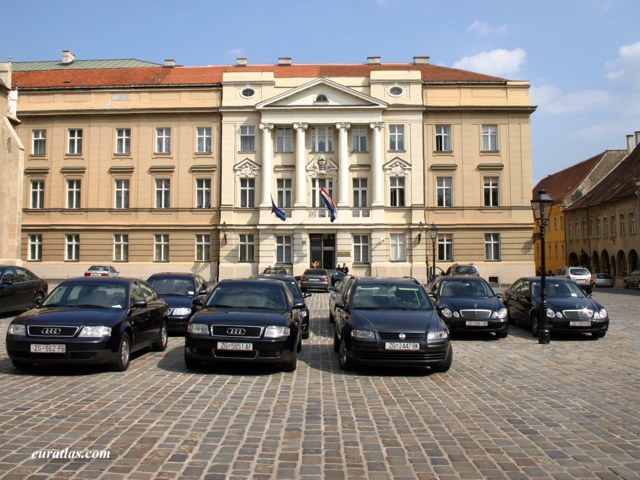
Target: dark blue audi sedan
251,320
90,321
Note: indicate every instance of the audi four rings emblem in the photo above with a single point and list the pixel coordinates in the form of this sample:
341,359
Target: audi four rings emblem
51,331
236,331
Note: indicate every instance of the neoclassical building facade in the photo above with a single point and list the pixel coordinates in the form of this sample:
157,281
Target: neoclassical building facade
164,167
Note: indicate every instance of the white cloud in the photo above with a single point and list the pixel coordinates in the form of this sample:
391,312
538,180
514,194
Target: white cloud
499,62
483,28
626,68
237,52
578,102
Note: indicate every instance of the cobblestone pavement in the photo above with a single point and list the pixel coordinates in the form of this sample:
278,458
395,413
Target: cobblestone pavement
507,409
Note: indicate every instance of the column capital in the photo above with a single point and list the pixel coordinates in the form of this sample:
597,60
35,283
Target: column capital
376,125
266,126
300,126
343,126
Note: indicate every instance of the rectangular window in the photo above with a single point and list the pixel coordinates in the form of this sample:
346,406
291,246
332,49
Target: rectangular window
361,249
570,231
443,138
489,138
39,142
203,193
396,137
397,191
247,193
623,229
163,193
322,139
605,227
123,141
491,192
161,247
203,140
444,192
35,248
163,140
316,186
359,139
121,193
445,248
72,248
632,223
597,228
398,247
37,194
120,247
73,193
592,227
247,138
283,248
203,248
492,246
247,247
360,193
284,192
283,140
74,145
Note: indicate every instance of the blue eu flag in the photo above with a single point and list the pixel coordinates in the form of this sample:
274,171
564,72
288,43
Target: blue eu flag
279,212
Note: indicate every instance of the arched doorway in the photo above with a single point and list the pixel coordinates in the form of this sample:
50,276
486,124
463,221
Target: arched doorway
606,266
595,263
621,263
633,262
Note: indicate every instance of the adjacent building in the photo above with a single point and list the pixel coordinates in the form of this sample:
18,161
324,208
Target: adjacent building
165,167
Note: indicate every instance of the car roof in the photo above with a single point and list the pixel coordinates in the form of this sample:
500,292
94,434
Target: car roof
391,280
173,274
115,280
274,276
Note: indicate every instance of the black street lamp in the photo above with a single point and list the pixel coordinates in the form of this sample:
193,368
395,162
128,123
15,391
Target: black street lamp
433,233
541,206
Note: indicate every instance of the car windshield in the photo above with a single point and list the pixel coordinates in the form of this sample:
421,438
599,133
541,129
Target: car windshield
390,297
256,295
173,286
88,295
465,288
557,289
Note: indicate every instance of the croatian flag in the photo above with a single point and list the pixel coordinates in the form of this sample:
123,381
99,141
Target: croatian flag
328,201
279,212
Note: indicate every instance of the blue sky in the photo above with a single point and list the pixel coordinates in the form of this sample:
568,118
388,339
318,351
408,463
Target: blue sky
582,57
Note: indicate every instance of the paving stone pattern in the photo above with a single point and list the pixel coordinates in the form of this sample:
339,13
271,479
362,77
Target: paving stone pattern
507,409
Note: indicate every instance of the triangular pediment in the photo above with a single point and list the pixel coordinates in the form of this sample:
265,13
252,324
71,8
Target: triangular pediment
246,168
397,167
322,93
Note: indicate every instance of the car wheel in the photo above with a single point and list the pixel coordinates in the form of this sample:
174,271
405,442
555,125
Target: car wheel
291,364
597,335
124,354
160,345
331,317
446,365
502,334
38,298
345,362
190,362
336,342
534,324
21,365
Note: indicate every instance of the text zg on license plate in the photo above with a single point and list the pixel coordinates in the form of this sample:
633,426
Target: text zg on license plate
401,346
40,348
578,323
235,346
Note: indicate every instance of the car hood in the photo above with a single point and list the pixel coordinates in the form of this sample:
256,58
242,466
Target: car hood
396,320
176,301
71,316
464,303
561,303
244,318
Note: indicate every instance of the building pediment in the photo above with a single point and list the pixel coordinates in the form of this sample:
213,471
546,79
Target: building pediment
397,167
246,168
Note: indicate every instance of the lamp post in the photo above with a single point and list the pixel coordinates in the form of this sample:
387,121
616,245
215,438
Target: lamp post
433,233
541,206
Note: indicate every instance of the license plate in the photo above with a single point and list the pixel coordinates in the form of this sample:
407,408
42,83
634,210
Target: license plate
39,348
234,346
401,346
580,280
314,279
579,324
477,323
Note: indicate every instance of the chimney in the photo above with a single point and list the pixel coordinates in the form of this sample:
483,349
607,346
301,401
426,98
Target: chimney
637,138
67,57
169,62
241,62
630,145
284,61
421,60
373,60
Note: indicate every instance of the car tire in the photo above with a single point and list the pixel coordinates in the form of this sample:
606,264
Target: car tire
535,324
596,335
38,298
160,345
446,365
123,358
343,357
502,334
21,365
331,317
291,364
190,362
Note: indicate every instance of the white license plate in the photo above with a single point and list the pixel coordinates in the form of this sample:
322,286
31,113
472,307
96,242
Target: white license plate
477,323
581,280
40,348
579,324
401,346
234,346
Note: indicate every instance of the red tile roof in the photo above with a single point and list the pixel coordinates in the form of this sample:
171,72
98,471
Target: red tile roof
561,184
211,75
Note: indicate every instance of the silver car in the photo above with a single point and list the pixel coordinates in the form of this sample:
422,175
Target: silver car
603,280
632,280
580,275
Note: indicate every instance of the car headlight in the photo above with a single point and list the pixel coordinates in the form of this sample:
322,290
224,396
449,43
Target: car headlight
274,331
198,328
501,314
363,334
17,329
446,313
182,311
551,313
95,332
438,335
600,314
303,313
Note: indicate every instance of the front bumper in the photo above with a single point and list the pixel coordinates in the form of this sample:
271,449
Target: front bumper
564,326
469,325
77,351
376,354
205,349
178,323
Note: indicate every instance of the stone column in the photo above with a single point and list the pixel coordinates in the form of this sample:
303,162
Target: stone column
267,163
301,155
376,165
343,164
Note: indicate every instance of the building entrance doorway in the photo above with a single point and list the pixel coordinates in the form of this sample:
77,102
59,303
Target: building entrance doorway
323,250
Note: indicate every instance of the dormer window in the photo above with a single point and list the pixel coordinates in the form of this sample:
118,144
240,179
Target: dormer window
396,91
321,98
248,92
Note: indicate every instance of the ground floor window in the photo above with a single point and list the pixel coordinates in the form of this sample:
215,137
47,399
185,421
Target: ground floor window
72,248
492,246
120,247
398,247
35,248
161,248
283,248
361,248
445,248
247,247
203,248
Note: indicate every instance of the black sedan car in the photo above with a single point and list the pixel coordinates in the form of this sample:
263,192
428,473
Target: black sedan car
89,321
180,291
390,322
569,308
315,279
20,289
247,320
468,303
298,296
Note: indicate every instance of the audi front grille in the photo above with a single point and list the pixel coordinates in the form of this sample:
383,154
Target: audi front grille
236,331
52,331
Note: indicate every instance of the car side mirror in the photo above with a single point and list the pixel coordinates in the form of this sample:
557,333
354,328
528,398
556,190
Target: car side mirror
306,294
139,304
299,305
203,291
198,301
340,304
